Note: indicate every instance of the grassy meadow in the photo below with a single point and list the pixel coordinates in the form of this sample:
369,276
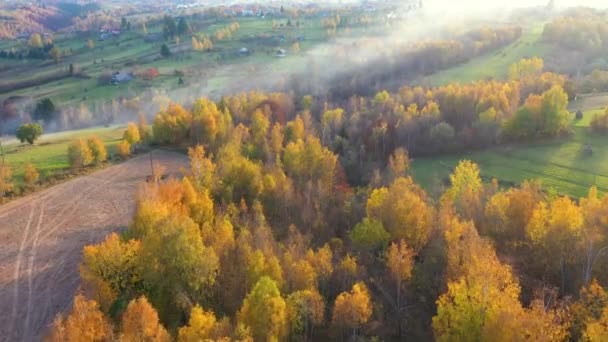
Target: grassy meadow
495,64
559,164
49,153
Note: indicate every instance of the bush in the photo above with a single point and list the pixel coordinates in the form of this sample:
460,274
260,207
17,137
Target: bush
164,51
150,74
124,149
29,132
100,154
30,175
6,180
79,154
599,123
131,134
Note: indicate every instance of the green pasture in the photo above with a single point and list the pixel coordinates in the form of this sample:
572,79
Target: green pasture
49,154
494,64
559,164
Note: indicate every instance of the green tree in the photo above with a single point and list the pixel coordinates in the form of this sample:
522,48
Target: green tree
306,310
29,132
175,262
164,50
45,110
370,235
182,26
264,311
55,54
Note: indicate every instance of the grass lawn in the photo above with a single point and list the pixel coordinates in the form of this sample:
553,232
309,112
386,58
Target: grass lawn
559,164
49,154
495,64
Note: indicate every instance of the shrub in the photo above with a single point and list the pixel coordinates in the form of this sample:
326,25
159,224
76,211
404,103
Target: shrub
131,134
100,154
599,123
124,149
30,175
29,132
6,183
79,154
150,74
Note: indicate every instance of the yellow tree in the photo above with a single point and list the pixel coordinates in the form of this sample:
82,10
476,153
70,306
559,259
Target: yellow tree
109,269
124,149
131,134
30,175
352,309
98,149
465,189
264,311
399,262
203,326
557,228
84,323
306,310
175,263
79,154
595,230
202,168
6,183
35,41
589,307
398,163
597,330
140,323
526,67
404,212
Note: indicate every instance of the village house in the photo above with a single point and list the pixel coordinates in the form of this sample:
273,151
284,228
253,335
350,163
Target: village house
121,77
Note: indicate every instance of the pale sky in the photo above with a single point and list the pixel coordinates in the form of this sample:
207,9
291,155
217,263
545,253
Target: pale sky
467,5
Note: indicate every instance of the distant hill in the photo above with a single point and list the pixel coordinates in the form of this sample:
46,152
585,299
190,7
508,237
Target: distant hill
24,19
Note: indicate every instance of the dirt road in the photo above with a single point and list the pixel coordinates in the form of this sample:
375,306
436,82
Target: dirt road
42,235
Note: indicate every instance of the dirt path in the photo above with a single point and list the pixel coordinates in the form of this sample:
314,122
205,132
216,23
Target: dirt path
42,235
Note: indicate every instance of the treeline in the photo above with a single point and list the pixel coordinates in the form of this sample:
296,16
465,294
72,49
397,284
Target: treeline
578,41
264,239
456,117
400,63
581,29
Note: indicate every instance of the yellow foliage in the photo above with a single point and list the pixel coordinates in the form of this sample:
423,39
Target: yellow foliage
84,323
352,309
132,134
140,323
124,149
98,149
79,154
30,175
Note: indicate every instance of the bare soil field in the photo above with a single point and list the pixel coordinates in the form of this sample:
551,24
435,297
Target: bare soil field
42,236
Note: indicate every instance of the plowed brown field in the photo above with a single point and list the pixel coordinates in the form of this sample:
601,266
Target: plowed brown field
42,236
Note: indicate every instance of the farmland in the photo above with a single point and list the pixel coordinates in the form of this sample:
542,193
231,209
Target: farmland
211,71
